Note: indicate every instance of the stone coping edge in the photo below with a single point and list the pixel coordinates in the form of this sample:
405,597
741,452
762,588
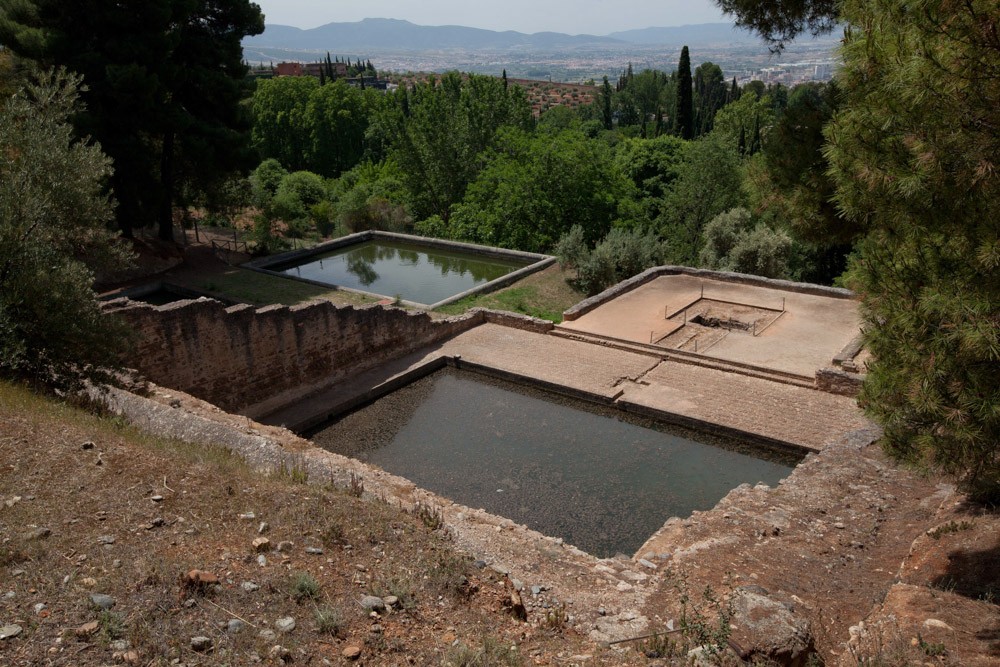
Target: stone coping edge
537,263
649,275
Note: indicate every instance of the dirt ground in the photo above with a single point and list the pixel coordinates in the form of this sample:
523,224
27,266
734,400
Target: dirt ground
90,506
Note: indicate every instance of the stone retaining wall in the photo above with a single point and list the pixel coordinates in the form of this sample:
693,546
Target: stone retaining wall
240,358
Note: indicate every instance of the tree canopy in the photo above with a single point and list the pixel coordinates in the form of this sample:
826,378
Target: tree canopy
780,21
913,152
163,79
53,235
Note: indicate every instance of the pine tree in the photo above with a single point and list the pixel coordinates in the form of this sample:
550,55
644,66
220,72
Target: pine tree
919,171
684,116
504,77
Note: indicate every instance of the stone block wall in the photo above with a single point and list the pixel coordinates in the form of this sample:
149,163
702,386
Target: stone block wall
240,357
837,381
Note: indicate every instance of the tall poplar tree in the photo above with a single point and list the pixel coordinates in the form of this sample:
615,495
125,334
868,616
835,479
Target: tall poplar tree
684,115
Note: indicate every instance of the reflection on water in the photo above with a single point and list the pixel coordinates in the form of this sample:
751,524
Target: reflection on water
602,483
415,273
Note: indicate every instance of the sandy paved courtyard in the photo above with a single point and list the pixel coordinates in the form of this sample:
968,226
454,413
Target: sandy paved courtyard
803,338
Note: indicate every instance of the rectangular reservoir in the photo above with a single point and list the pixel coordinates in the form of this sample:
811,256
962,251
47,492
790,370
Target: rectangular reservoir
424,272
601,479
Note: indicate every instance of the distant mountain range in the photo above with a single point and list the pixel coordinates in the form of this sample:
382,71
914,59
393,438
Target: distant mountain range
373,35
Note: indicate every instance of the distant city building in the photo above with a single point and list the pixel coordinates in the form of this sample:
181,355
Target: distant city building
288,69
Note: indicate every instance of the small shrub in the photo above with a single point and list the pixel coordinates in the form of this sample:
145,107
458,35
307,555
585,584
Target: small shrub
330,621
621,254
448,573
333,535
431,516
661,645
948,528
931,650
402,587
111,625
356,486
296,473
492,653
305,587
555,618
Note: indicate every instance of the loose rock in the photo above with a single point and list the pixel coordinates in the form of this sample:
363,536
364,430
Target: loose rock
250,586
235,626
201,644
261,544
102,601
9,632
285,625
769,630
39,533
352,652
372,603
87,629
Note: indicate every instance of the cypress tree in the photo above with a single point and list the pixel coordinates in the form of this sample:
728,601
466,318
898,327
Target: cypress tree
606,114
684,117
755,138
504,77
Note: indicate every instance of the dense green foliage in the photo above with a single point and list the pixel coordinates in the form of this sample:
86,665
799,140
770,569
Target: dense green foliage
437,131
53,234
535,187
461,157
914,153
164,79
910,163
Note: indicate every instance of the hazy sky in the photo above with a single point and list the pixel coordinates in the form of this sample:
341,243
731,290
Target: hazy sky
596,17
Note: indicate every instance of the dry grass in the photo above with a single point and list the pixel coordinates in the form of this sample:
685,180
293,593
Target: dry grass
87,494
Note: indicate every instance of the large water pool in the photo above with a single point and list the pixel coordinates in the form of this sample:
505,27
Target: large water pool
419,273
602,481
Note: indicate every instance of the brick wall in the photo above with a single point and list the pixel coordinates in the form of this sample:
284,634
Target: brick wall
238,358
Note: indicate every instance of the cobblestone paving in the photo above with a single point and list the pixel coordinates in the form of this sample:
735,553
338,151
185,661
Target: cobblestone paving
804,417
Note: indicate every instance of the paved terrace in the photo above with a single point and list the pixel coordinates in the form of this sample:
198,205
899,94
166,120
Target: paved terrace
804,417
806,336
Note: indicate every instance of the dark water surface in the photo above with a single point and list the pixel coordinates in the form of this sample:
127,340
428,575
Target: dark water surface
601,483
418,273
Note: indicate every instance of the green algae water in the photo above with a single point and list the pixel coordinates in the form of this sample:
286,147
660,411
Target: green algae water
418,273
601,483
